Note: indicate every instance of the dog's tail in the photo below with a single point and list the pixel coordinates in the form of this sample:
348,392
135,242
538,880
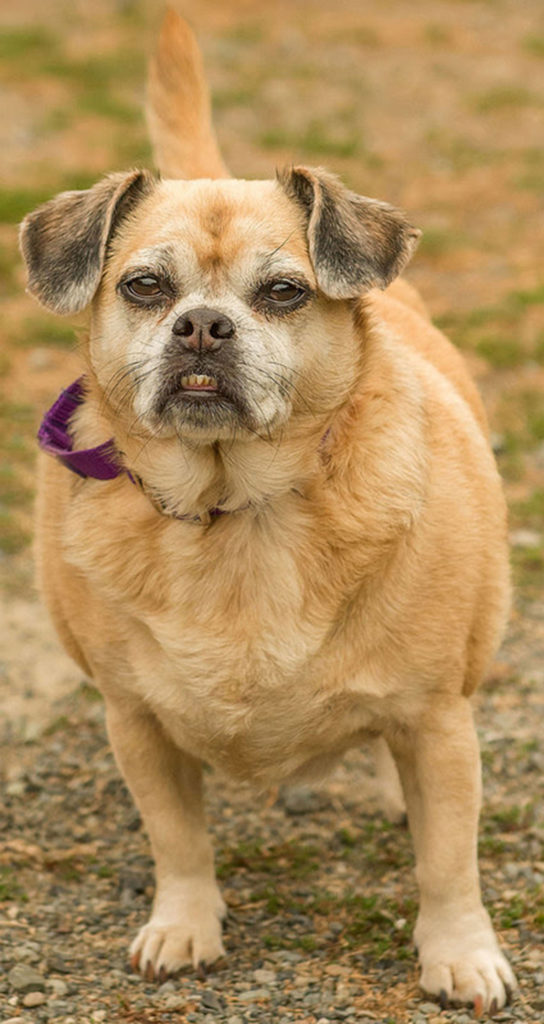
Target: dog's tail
178,106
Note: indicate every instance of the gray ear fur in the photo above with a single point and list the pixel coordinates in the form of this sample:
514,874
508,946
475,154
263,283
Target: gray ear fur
355,243
64,242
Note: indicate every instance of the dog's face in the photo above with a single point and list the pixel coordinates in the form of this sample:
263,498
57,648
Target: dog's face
218,308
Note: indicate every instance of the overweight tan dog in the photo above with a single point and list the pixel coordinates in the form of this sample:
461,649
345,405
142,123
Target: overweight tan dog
301,542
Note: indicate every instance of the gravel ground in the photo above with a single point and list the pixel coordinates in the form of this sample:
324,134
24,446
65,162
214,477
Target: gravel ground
319,887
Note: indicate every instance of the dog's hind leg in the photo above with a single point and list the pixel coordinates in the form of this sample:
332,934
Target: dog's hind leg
185,925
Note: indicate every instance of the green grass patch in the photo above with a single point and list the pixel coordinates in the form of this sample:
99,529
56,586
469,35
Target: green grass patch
356,35
491,846
10,889
436,242
525,909
437,35
291,859
133,151
494,332
316,140
90,693
59,724
459,153
104,104
505,97
13,536
44,331
528,570
15,203
98,72
347,838
502,353
12,490
248,33
532,175
534,44
9,259
374,923
16,451
224,99
378,924
531,511
527,297
33,42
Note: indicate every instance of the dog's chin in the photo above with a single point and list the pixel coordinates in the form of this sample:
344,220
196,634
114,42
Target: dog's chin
205,418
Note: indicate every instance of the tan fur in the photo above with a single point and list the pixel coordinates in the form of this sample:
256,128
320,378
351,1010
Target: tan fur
178,109
362,594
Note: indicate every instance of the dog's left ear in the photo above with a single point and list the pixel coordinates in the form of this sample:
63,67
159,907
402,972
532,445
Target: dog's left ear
355,243
65,241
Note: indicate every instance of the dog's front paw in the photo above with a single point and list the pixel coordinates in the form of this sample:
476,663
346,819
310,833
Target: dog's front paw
461,962
185,928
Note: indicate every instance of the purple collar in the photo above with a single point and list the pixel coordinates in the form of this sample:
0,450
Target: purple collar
100,463
55,439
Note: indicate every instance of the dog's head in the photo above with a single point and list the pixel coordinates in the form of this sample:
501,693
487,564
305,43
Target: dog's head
218,308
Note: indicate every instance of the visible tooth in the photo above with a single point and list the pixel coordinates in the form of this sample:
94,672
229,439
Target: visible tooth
198,380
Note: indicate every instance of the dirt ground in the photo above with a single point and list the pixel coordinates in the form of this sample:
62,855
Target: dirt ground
437,107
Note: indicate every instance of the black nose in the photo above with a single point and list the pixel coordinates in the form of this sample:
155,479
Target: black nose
203,328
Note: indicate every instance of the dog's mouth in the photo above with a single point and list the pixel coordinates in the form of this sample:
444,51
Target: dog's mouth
201,400
200,384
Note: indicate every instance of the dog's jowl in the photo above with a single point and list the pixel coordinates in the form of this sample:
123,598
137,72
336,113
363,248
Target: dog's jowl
274,528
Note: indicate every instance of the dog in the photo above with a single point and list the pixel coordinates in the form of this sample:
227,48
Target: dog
285,533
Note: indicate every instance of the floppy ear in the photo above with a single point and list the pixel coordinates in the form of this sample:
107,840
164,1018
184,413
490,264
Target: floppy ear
64,242
355,243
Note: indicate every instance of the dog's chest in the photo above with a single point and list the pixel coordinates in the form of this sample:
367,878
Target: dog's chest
228,644
239,663
233,638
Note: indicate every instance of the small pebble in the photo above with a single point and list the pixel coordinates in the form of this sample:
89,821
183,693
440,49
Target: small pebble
253,994
58,987
264,977
25,979
28,953
174,1002
209,1001
166,987
33,999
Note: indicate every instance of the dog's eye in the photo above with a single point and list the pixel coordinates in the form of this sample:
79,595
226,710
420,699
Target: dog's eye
145,287
283,292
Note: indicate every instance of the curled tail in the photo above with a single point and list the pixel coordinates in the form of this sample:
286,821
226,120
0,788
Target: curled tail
178,106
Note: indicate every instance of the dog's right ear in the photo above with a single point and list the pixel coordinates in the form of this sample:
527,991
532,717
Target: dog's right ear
65,241
355,243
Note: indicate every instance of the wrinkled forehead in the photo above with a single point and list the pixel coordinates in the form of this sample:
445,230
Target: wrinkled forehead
215,228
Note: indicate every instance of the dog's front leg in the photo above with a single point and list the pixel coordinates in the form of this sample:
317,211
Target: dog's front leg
439,765
166,784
